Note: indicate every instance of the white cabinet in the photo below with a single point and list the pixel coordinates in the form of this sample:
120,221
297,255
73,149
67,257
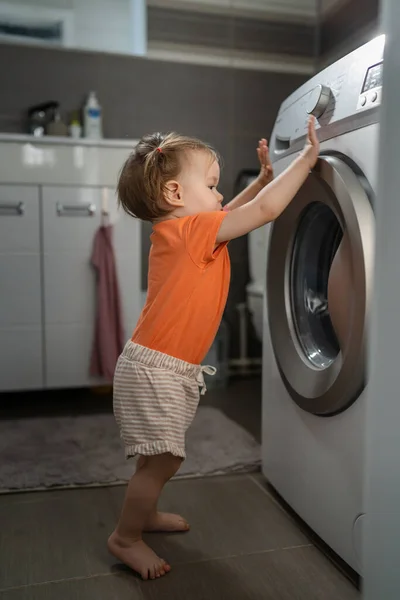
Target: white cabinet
71,217
52,192
127,245
21,348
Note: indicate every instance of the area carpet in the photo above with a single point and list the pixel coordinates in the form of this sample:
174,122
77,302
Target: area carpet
79,451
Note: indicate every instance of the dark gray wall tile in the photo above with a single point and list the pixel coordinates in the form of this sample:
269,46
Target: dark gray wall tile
345,23
244,151
189,27
138,95
222,140
164,96
230,32
257,97
274,37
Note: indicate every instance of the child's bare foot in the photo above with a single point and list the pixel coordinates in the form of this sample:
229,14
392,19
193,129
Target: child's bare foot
166,522
138,556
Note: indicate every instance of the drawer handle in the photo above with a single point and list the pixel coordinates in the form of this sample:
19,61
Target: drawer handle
13,209
77,210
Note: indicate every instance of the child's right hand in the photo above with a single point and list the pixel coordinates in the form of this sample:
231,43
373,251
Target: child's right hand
311,149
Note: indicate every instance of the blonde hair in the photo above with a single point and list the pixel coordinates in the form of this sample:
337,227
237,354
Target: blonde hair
156,160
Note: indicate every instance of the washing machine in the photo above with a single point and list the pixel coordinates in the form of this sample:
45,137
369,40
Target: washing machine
317,300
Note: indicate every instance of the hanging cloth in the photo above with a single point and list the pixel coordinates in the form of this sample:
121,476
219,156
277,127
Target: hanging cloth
109,335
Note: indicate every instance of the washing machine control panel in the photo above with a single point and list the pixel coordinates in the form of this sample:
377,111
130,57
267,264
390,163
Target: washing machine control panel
371,92
346,91
318,100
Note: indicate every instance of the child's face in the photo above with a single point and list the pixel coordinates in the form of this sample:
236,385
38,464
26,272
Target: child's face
198,184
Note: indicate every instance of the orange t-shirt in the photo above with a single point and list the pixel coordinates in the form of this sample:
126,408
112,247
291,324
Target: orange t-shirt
187,287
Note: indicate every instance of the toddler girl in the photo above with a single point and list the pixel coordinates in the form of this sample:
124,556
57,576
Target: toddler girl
172,181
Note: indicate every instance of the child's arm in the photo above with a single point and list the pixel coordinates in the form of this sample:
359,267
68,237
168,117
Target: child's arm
273,199
264,178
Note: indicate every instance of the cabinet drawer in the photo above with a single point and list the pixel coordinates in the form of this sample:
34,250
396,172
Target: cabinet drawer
21,351
71,216
21,359
70,288
127,244
68,352
20,290
19,219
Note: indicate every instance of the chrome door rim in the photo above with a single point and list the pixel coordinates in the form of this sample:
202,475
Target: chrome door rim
333,389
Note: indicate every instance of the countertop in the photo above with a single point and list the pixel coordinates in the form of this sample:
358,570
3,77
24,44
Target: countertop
67,141
31,160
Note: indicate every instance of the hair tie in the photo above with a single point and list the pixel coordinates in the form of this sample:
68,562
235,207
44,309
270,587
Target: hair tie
159,149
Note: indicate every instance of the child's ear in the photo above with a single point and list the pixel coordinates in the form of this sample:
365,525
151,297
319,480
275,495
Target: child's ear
173,194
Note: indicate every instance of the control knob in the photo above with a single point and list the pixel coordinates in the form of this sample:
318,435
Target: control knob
318,100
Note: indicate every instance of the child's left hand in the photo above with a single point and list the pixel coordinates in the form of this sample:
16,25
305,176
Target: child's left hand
266,172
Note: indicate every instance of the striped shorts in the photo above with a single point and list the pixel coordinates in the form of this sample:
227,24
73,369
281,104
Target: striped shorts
155,400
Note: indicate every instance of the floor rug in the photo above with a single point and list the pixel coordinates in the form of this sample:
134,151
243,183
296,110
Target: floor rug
79,451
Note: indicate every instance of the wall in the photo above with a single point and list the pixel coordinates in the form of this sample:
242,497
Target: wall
300,10
217,70
348,25
258,38
230,108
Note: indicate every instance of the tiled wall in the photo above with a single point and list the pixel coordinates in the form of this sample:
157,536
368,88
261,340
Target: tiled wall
229,108
250,34
350,24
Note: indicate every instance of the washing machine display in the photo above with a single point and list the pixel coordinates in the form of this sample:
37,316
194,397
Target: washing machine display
373,78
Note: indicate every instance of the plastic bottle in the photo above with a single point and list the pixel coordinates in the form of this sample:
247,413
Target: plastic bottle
75,129
92,118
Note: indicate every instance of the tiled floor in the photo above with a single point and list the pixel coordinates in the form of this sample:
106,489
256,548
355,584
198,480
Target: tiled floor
242,546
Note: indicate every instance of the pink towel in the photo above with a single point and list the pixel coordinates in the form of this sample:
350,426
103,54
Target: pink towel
109,337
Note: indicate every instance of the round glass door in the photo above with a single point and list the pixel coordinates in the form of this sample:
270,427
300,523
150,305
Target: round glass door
318,287
317,240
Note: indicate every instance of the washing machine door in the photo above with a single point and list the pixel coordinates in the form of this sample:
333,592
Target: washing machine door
320,264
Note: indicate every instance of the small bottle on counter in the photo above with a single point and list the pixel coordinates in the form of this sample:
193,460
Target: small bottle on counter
75,128
92,118
57,127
